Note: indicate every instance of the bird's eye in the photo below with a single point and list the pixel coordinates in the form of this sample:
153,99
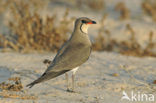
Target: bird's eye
83,21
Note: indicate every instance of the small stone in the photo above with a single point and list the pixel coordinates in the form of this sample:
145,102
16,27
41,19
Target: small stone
115,74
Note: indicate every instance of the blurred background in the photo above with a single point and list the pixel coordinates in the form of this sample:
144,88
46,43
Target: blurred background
123,26
32,31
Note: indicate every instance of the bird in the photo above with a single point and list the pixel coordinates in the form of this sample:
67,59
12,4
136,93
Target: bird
71,55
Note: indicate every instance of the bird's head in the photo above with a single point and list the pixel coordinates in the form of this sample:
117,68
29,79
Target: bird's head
83,23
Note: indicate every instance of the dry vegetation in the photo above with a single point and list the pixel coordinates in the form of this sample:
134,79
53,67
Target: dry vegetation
13,85
30,32
126,47
149,7
12,88
124,11
96,5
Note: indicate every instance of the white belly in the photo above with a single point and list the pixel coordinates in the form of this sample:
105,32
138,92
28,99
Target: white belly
74,70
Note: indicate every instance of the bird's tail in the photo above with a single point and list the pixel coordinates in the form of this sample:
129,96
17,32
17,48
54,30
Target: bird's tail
45,77
41,79
31,84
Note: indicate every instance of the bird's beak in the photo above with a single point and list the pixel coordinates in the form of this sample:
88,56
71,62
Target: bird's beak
92,22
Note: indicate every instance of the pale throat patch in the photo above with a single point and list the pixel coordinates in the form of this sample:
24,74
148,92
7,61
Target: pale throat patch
84,28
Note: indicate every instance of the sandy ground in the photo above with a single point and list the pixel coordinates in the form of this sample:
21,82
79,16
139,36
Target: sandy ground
102,79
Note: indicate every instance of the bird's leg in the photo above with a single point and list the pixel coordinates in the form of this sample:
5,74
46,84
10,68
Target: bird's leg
73,82
67,81
73,77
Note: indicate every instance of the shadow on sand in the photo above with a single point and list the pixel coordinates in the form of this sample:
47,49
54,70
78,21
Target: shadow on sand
5,73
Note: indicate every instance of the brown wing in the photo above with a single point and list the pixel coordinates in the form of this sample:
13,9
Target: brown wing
73,56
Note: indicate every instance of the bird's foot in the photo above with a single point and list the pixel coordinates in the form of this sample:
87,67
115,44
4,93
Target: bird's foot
71,91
